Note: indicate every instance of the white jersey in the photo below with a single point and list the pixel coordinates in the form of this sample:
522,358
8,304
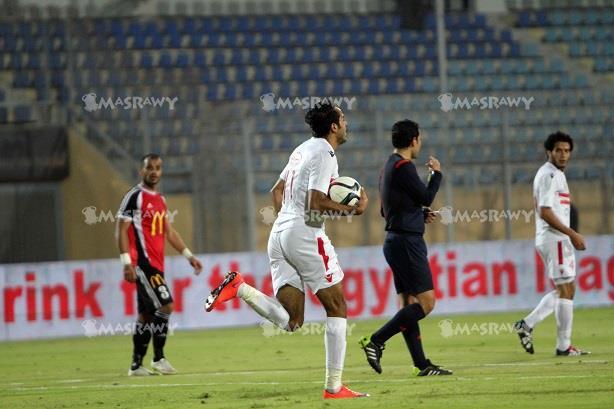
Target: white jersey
312,165
550,190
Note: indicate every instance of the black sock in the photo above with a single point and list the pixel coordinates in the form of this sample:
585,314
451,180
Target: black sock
140,341
406,319
414,344
160,329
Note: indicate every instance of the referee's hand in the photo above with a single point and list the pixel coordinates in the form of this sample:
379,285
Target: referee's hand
433,164
129,273
429,215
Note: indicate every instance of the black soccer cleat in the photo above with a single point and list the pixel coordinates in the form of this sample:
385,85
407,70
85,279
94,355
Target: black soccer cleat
373,352
432,370
526,335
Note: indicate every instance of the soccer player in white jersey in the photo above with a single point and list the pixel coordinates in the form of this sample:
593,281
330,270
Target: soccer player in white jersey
299,251
555,242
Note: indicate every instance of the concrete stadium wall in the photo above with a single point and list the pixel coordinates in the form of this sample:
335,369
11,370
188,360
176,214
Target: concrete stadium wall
93,182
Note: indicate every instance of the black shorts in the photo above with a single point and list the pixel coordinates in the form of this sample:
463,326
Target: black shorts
407,257
151,289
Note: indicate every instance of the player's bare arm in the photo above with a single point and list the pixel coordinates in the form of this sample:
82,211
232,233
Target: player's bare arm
549,217
122,244
322,203
277,194
175,240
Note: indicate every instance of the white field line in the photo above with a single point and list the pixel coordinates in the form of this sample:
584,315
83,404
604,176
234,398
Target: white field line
18,385
398,380
355,368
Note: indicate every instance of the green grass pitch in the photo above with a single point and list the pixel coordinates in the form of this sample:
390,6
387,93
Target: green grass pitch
241,368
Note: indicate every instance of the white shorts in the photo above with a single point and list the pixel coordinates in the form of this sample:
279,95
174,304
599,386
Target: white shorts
303,255
559,259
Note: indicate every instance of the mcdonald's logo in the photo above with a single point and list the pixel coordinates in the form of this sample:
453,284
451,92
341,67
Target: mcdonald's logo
156,280
157,220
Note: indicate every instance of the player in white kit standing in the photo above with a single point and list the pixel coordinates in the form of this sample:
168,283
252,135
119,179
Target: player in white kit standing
555,242
299,251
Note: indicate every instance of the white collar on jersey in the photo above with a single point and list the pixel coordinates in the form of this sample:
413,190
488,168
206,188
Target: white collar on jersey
143,187
326,142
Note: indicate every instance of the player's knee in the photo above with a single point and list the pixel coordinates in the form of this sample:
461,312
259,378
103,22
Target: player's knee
336,307
567,291
428,305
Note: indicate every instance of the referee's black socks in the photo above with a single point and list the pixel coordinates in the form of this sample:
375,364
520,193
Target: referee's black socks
414,344
406,321
160,329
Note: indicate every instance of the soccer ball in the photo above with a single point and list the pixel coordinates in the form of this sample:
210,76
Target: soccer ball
344,190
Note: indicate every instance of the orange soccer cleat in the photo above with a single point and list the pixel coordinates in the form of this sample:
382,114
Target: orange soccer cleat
225,291
344,393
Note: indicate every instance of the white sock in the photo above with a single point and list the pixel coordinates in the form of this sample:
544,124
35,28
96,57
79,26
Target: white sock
564,318
267,307
334,341
543,309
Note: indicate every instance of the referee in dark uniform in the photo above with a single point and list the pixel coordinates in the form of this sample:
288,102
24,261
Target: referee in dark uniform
405,200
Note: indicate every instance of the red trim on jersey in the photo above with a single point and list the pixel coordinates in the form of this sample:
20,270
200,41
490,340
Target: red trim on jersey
563,202
564,194
401,163
322,252
559,246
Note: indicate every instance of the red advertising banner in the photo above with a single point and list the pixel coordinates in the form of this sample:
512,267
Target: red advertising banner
86,298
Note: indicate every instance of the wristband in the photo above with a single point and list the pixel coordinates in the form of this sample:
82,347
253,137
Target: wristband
125,259
187,253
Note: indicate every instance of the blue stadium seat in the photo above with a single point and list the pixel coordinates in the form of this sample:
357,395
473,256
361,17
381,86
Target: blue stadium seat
22,113
16,62
156,41
146,60
165,60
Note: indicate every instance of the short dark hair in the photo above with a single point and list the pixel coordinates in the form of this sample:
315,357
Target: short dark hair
149,156
321,117
403,132
558,136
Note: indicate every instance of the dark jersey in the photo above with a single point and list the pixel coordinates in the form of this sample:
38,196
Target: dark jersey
146,210
403,195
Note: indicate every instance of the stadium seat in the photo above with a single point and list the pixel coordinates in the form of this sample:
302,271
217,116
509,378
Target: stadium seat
22,113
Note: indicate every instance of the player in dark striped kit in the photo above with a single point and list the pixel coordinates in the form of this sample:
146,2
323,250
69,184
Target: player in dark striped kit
143,227
405,200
